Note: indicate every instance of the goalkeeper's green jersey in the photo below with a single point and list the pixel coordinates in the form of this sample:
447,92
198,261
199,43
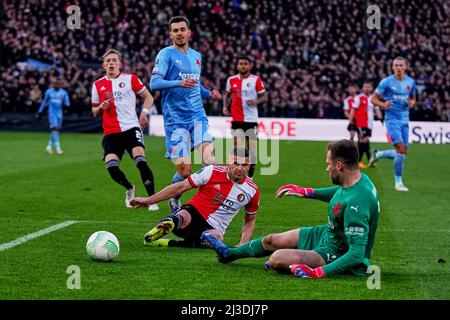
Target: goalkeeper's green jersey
353,214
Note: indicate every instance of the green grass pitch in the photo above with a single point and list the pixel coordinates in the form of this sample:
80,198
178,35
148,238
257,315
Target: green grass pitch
40,190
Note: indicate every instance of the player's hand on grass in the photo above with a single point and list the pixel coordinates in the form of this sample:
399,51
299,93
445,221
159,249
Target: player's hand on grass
215,95
187,83
303,271
139,202
294,190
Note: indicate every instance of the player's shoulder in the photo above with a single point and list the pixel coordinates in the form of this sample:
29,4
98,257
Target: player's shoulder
100,80
251,183
409,78
167,51
194,52
233,77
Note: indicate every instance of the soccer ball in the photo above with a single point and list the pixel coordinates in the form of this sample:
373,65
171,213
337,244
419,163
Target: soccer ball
102,246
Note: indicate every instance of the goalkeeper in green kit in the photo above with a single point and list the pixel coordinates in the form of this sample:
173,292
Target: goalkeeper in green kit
343,245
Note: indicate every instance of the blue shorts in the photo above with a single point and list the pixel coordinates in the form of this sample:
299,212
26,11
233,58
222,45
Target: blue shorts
55,119
181,139
398,132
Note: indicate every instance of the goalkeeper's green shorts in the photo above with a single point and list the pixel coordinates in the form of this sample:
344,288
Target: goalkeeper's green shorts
313,238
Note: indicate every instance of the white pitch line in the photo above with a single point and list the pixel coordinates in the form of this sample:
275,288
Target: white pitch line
31,236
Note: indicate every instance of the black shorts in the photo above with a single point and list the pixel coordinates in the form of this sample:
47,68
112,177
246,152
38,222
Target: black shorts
117,143
195,229
250,128
352,127
365,132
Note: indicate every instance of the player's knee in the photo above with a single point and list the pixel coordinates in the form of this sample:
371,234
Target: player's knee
139,160
112,164
184,171
269,242
276,260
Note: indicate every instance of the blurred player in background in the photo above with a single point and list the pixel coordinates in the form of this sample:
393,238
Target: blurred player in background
399,94
343,245
223,191
246,91
362,113
177,74
56,98
114,98
348,104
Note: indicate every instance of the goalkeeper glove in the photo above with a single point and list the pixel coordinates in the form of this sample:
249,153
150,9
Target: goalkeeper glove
303,271
293,190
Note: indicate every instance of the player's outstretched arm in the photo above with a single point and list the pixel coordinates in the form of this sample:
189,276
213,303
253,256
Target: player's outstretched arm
168,192
323,194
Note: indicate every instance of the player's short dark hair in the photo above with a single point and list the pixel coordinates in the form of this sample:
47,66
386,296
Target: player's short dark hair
345,151
178,19
244,58
112,51
240,152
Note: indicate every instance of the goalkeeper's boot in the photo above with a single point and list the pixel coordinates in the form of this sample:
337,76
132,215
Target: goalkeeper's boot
373,158
49,149
163,228
401,187
129,195
174,205
221,249
59,151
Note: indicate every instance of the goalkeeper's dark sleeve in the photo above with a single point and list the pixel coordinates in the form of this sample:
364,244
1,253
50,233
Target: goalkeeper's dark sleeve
353,257
325,194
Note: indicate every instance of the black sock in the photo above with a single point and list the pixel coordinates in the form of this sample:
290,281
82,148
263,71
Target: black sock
367,149
176,219
117,175
146,174
251,171
360,150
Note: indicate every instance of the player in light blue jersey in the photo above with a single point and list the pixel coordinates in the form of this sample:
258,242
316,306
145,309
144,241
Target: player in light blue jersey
55,98
399,94
177,74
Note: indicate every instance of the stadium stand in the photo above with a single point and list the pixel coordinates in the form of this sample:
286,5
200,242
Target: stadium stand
307,52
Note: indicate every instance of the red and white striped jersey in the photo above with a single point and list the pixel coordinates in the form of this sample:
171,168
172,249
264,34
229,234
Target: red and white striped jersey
121,113
363,111
242,90
348,104
219,199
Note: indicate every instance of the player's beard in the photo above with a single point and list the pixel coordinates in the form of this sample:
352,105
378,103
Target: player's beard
336,179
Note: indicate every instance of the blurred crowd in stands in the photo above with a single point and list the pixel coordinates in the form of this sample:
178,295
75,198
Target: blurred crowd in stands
307,52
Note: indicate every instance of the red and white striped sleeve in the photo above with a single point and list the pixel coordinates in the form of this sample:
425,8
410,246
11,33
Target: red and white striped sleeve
228,86
259,86
95,99
136,84
253,206
201,177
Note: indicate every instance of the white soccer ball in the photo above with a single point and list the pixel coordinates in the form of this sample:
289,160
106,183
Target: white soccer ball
102,246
